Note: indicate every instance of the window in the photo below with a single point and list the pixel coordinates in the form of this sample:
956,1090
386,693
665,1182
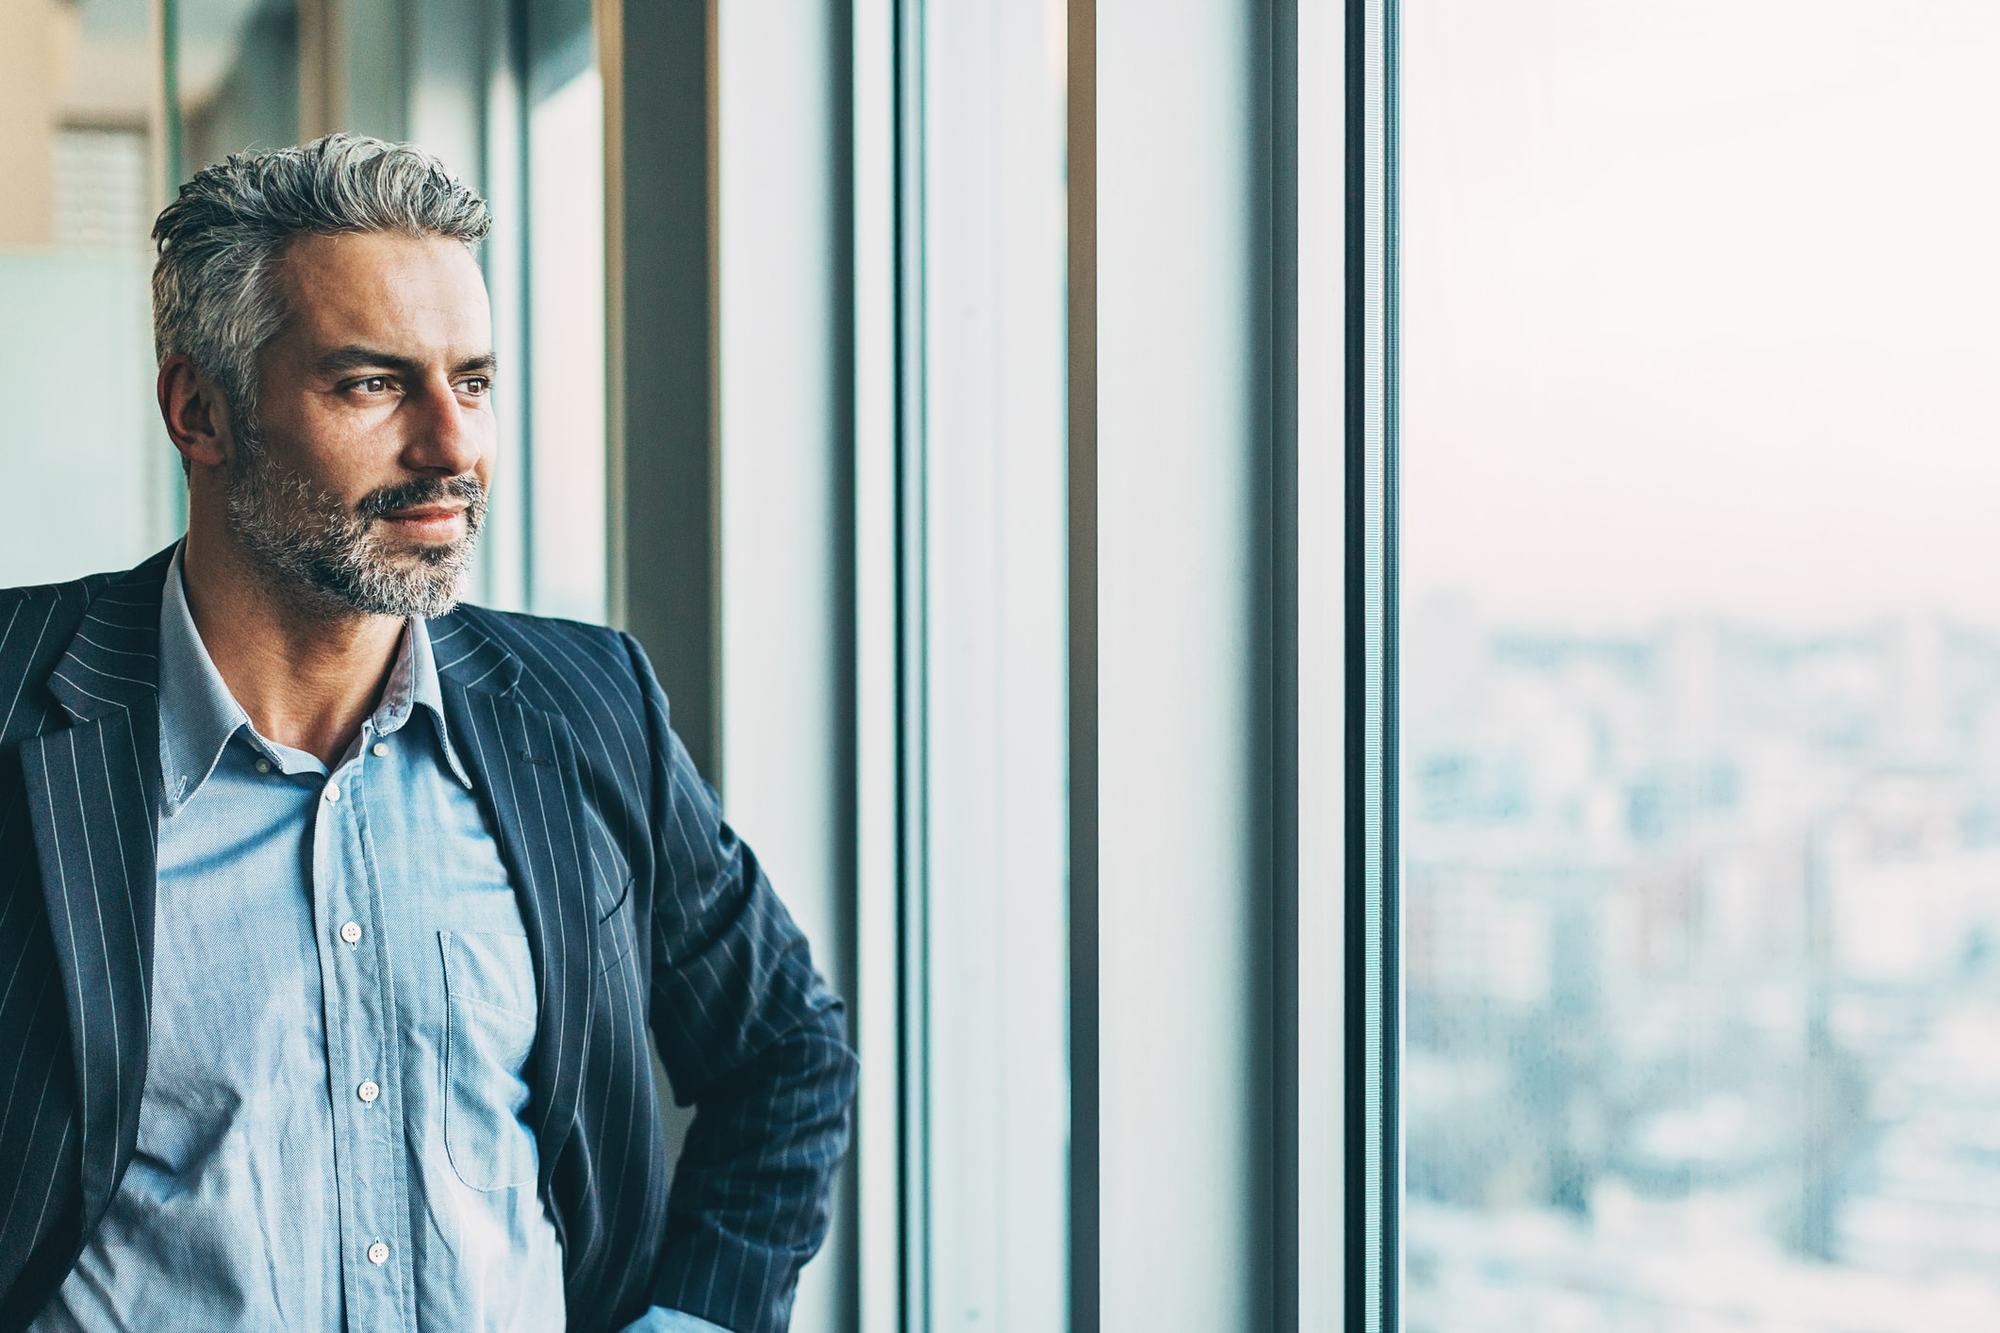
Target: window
1699,696
233,69
562,469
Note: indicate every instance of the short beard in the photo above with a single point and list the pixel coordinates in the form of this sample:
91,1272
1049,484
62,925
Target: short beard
324,560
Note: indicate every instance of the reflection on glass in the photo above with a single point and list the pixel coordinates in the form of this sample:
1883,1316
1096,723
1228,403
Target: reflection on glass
237,75
569,546
76,365
1702,692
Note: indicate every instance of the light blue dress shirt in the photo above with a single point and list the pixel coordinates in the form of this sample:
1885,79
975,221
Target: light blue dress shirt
343,1009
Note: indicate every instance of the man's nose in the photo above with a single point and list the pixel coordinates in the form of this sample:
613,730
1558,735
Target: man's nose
445,438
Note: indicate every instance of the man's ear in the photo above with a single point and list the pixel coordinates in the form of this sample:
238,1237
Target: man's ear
195,412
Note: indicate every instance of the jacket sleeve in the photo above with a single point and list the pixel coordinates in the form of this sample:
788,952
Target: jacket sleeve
750,1036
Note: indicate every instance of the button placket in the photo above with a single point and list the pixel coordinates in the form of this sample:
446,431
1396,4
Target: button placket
360,1022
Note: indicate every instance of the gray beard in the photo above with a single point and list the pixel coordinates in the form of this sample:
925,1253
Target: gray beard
325,561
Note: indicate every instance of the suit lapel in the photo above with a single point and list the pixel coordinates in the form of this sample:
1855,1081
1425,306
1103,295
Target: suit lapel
91,791
523,764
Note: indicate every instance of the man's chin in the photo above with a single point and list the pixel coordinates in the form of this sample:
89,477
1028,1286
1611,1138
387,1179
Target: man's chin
429,598
411,581
404,550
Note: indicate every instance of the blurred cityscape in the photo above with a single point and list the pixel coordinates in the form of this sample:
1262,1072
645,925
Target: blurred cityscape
1702,975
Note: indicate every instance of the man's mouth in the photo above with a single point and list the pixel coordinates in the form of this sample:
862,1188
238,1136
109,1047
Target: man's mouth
428,520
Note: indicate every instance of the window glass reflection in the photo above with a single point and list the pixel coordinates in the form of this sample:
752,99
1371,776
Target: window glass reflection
565,327
236,75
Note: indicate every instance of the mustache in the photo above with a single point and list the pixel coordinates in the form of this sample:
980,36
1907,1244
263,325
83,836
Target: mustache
424,491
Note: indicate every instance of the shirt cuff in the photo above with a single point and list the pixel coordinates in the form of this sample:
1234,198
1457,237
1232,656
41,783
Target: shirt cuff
662,1320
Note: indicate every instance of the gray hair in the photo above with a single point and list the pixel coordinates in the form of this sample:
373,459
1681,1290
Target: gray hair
216,299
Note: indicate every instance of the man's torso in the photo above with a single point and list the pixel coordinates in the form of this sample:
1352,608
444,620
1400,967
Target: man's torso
556,741
343,1006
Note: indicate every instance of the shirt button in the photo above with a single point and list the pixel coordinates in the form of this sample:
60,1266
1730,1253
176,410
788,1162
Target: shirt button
333,791
368,1092
263,766
381,750
378,1253
350,933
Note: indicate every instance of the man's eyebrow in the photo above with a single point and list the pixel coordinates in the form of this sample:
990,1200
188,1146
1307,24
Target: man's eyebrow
356,357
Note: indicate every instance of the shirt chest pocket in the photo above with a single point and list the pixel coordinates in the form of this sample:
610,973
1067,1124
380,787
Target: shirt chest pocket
489,982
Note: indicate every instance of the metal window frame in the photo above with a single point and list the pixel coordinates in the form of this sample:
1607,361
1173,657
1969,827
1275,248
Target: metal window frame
1372,927
1086,1208
912,669
1320,1125
879,1003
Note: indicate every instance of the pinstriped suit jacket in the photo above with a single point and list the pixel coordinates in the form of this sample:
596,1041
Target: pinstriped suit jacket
643,912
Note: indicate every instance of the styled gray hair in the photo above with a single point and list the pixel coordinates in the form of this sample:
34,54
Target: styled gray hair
216,298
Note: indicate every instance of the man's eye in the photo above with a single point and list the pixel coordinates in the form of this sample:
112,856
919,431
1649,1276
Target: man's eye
372,384
478,386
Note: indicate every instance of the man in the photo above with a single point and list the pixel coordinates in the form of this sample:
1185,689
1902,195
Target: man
333,917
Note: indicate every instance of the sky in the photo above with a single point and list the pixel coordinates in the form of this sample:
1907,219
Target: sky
1701,307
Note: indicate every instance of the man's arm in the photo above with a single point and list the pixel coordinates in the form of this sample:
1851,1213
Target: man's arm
752,1037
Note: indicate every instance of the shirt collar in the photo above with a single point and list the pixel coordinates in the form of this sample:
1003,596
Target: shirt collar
199,716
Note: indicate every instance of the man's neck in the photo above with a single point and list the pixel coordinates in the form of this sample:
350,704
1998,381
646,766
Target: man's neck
307,676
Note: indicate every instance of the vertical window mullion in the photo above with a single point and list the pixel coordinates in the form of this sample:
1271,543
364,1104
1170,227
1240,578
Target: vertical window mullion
1374,1017
1085,1102
882,1165
911,681
1320,1039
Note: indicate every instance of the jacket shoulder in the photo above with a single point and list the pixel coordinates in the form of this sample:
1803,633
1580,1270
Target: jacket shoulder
566,665
74,595
38,616
518,630
71,592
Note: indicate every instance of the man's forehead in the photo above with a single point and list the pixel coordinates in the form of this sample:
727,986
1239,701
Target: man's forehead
409,295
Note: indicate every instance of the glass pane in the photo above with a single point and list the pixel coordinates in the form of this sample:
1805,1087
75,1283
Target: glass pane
994,590
76,358
236,75
1701,661
565,466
